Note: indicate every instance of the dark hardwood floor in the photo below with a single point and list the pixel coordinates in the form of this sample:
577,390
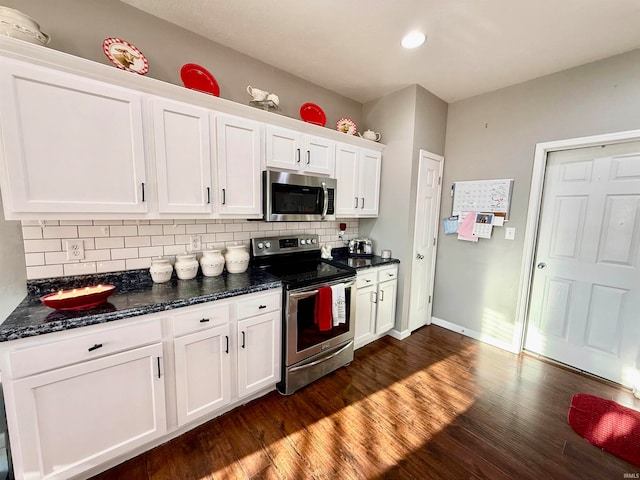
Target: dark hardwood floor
436,405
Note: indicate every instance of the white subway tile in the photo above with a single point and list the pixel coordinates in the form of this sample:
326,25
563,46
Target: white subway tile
30,223
233,227
110,266
241,236
215,228
124,231
173,229
265,226
150,230
109,242
97,255
182,221
45,272
135,222
162,240
34,259
150,252
76,222
224,237
54,258
174,249
79,268
107,222
137,263
193,229
51,245
137,241
89,243
208,238
60,232
123,253
31,233
161,222
290,226
182,239
95,231
205,220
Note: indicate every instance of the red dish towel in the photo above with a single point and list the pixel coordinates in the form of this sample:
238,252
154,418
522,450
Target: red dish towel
608,425
323,309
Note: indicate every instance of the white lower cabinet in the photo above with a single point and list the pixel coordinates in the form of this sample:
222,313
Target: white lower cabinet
81,400
375,303
66,419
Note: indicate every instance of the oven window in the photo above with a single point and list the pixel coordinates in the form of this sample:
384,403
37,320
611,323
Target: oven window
296,199
309,334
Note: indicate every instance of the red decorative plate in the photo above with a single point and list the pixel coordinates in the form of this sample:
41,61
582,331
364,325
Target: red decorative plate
125,56
199,78
78,298
312,113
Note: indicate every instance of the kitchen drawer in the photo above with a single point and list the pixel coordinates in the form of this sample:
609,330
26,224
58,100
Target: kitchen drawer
50,356
387,273
366,278
196,319
257,305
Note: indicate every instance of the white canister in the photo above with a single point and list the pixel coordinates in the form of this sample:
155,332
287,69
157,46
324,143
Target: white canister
236,258
212,263
160,270
186,266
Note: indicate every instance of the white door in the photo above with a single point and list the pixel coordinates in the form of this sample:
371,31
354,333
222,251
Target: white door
370,163
585,294
424,239
347,177
319,155
258,352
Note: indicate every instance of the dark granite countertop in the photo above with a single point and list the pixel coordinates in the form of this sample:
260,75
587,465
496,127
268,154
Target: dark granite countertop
135,294
342,258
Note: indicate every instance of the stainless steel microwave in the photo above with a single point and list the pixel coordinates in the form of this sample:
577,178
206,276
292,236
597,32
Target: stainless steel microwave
289,197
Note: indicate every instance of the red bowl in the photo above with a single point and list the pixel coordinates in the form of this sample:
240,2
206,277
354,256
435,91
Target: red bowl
78,298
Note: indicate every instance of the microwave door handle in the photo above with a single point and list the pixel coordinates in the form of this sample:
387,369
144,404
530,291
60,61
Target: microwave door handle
325,207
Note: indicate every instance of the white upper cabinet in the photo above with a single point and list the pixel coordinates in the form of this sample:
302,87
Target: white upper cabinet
71,144
238,175
358,175
298,152
182,140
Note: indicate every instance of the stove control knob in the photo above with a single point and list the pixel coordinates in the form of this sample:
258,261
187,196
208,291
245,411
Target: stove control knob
267,244
260,245
303,241
313,240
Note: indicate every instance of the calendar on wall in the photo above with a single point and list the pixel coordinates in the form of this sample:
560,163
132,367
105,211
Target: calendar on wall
492,196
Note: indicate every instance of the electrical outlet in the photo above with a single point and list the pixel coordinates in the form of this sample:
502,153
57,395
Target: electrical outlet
194,243
75,250
510,233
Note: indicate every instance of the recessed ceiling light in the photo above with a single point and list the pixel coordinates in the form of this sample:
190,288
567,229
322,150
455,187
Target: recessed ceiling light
413,39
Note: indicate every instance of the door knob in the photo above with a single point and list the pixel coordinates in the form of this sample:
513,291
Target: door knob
541,265
419,257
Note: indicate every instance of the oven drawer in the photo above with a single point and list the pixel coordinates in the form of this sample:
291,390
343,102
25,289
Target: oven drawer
200,318
366,279
259,304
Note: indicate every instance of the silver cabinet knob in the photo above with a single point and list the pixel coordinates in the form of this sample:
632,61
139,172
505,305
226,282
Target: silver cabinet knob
542,265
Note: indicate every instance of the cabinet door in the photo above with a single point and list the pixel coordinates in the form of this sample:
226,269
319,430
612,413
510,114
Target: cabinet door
258,352
183,157
283,148
238,167
203,372
386,316
71,144
73,418
318,155
347,200
369,183
365,316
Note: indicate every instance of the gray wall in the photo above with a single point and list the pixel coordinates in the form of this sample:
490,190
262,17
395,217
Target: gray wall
494,136
78,27
13,276
410,119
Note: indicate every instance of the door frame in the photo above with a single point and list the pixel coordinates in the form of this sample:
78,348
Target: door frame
533,216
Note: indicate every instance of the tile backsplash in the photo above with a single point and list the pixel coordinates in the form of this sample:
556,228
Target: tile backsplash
117,245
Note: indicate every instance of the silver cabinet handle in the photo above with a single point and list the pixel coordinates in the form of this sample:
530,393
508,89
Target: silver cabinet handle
382,295
375,297
298,155
356,199
308,157
362,206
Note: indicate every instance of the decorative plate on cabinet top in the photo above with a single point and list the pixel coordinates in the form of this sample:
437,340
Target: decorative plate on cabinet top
346,125
199,78
312,113
78,298
125,56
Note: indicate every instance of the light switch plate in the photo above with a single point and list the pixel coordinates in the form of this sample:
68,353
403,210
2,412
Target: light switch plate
510,233
75,250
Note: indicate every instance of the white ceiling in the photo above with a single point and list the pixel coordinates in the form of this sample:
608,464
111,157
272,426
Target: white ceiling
353,47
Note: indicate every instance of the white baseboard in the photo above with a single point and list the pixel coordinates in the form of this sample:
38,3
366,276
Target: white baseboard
399,335
483,337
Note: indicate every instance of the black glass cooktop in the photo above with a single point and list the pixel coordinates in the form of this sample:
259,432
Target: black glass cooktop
295,274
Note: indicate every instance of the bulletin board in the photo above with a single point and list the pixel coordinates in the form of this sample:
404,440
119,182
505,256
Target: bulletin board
492,196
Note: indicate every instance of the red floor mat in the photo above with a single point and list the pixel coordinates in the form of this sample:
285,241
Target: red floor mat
608,425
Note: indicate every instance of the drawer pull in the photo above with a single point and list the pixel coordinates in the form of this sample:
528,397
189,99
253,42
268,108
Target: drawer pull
227,350
204,320
242,340
159,372
368,280
262,306
95,347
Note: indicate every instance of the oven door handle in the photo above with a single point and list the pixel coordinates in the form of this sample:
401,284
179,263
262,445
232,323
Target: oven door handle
325,195
316,362
310,293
